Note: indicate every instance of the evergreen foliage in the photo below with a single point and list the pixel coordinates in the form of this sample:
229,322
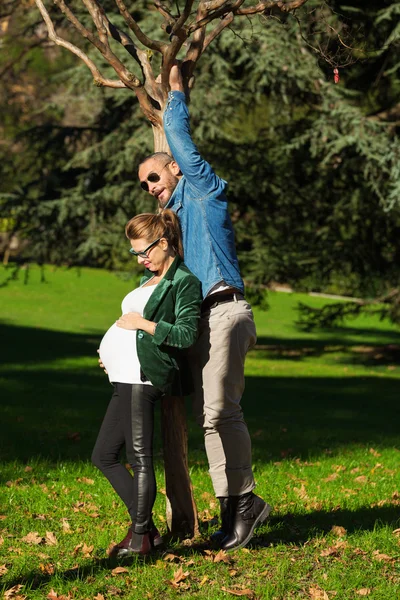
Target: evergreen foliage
313,167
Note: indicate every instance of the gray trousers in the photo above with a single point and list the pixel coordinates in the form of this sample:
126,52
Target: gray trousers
226,333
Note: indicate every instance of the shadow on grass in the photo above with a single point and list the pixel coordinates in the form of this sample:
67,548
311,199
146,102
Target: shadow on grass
291,530
53,410
355,350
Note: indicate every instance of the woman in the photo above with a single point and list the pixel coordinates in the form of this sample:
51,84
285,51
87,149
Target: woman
142,354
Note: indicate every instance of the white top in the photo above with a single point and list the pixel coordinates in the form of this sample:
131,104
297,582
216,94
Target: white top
118,347
219,287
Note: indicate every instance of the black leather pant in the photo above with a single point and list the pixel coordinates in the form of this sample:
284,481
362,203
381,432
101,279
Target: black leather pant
129,422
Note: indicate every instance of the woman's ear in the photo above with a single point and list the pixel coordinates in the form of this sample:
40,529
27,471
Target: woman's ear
164,244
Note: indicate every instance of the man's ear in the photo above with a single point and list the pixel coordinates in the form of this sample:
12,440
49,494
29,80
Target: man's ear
174,168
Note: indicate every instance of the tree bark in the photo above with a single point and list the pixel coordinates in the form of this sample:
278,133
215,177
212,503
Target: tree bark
160,141
181,507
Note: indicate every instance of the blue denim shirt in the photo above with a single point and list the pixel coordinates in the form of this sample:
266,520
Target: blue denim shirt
199,201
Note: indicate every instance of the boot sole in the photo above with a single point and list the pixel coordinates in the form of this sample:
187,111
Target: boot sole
262,517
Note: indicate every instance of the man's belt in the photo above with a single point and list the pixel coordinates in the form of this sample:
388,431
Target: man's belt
220,298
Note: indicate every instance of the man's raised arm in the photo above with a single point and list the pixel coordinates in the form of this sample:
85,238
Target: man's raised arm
196,170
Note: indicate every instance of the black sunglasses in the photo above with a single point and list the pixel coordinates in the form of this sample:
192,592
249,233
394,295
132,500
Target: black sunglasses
143,253
153,177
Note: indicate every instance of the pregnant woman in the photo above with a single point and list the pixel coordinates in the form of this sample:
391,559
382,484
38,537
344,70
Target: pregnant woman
142,354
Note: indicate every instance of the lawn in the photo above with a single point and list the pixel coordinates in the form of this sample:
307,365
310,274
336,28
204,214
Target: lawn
323,412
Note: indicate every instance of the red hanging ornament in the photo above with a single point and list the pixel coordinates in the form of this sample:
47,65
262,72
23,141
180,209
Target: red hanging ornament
336,77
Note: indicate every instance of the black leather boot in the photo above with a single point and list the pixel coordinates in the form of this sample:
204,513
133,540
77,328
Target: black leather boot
248,511
225,512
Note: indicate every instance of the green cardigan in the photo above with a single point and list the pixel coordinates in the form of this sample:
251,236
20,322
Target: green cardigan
175,307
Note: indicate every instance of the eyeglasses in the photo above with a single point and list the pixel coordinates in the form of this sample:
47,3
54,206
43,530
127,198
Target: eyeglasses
153,177
144,253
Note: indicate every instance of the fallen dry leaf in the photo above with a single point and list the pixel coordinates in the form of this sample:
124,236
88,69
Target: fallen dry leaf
77,548
2,517
47,569
301,492
396,531
112,590
28,469
52,595
1,540
33,538
334,550
179,577
87,550
85,480
3,570
238,592
204,580
119,571
363,591
222,556
374,452
66,527
13,592
318,594
99,597
14,483
43,556
381,557
51,539
361,479
338,530
331,477
172,557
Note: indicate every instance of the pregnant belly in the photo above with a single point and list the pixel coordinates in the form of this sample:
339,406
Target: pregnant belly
118,345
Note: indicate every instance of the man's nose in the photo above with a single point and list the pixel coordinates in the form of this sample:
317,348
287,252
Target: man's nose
152,186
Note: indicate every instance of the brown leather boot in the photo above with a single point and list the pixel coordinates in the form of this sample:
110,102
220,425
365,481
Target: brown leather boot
123,544
140,543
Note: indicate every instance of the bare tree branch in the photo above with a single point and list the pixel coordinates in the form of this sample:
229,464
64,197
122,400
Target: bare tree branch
142,37
210,5
265,4
184,16
102,45
168,17
227,20
220,12
97,76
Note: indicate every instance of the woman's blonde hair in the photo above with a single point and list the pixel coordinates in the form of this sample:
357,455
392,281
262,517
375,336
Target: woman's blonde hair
152,226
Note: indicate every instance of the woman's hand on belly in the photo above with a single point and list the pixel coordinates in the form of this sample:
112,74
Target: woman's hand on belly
132,320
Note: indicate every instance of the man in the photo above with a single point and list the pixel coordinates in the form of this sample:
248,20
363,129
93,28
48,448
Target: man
189,186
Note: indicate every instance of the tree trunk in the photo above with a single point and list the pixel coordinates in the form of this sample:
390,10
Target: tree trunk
181,507
160,141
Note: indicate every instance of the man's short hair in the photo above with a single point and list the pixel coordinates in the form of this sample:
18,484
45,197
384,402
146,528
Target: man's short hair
158,156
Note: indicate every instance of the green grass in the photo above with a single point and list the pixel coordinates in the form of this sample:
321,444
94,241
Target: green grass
323,412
